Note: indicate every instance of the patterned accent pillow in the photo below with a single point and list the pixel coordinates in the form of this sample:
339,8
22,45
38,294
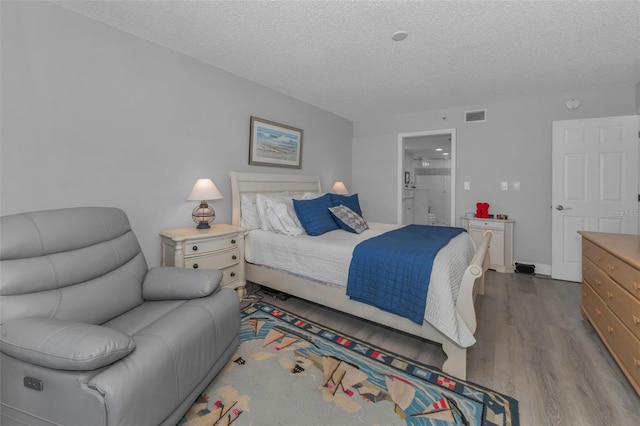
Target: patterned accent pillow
348,220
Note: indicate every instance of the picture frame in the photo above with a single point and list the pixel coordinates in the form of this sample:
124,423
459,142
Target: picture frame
407,178
275,144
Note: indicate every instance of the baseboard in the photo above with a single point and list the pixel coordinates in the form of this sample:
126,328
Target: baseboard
541,268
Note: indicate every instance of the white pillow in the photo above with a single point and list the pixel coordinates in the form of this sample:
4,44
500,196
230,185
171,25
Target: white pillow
250,219
276,213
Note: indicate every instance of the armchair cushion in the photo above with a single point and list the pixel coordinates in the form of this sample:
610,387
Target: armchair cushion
63,345
168,283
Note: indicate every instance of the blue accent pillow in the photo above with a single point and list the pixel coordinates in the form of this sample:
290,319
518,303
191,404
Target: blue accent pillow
350,201
314,215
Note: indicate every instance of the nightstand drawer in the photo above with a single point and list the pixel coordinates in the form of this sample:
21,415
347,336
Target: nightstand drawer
595,254
219,260
230,274
488,224
626,347
195,248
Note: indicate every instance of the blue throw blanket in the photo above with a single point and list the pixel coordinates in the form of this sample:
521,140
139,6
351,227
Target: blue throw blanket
392,271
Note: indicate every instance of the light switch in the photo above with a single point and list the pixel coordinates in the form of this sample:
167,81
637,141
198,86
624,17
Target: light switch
467,185
504,186
515,186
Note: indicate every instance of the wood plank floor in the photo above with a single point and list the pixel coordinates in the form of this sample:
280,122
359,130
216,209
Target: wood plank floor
533,345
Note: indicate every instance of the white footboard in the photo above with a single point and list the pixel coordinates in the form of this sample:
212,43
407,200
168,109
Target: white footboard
472,285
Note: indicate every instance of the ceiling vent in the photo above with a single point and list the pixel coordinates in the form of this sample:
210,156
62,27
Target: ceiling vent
476,116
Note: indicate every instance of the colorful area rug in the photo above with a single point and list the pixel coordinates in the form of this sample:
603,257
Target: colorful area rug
290,371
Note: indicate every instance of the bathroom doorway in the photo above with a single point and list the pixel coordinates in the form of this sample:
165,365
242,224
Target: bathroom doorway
427,177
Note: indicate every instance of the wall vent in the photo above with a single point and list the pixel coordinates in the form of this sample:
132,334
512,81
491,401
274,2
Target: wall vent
476,116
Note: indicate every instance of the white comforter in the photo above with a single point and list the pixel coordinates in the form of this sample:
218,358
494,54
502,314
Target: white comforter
326,258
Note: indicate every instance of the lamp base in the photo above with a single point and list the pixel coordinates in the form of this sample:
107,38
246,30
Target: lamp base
203,215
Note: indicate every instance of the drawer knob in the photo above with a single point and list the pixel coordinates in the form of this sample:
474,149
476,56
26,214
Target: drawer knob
584,294
636,320
195,266
233,241
599,258
636,362
610,329
234,257
194,248
610,295
636,285
598,312
233,274
612,267
598,282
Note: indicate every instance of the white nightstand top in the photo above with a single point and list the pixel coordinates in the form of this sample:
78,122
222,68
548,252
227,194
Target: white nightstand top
182,234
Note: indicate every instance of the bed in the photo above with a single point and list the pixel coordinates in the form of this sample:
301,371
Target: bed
451,321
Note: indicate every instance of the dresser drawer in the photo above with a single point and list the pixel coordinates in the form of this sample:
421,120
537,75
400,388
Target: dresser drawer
624,274
219,260
195,248
595,254
486,224
595,308
626,308
627,349
597,278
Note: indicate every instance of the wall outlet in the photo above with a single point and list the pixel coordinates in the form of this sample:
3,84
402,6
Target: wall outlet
504,186
467,185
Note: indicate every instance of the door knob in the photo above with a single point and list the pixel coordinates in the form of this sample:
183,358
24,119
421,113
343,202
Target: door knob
561,207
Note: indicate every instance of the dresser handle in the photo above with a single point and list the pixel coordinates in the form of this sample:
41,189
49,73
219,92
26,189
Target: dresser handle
233,274
610,295
612,267
636,320
194,248
584,294
636,362
195,266
599,258
598,312
234,257
233,241
598,282
610,329
636,285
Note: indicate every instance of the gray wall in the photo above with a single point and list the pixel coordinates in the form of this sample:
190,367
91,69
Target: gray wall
514,144
95,116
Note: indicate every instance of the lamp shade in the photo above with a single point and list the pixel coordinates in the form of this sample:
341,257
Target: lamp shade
339,188
204,189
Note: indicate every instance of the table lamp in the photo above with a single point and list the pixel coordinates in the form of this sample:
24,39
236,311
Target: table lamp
339,188
204,190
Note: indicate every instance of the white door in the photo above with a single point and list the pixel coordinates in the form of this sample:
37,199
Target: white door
594,185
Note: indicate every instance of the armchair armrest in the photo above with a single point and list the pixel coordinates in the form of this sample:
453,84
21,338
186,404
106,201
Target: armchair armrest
63,345
168,283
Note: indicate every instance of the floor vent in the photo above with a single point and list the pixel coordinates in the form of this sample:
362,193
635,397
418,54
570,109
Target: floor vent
475,116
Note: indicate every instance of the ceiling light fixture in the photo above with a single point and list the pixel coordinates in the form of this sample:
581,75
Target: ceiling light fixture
399,35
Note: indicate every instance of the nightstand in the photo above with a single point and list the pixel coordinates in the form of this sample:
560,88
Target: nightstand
501,245
220,247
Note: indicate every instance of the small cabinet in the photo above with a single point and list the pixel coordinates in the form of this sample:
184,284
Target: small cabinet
501,245
220,247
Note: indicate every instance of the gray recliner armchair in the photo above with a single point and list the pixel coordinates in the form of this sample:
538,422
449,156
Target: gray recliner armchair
90,336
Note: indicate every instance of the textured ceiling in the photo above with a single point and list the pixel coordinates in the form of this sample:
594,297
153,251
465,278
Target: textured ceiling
339,56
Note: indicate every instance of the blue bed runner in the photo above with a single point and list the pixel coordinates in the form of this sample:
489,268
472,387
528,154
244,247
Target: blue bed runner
392,271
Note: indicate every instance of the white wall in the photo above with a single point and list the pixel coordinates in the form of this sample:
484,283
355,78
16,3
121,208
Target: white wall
92,115
514,144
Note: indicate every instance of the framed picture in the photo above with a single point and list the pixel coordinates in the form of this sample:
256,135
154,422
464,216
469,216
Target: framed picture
407,178
274,144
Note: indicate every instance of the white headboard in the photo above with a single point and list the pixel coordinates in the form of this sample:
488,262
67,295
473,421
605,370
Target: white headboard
253,183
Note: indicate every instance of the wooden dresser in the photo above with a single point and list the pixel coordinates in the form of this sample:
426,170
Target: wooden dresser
611,296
